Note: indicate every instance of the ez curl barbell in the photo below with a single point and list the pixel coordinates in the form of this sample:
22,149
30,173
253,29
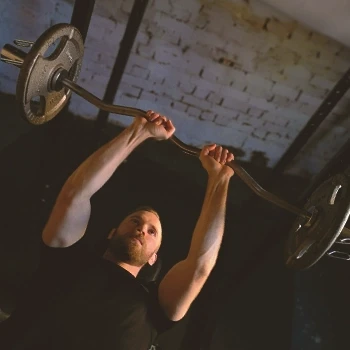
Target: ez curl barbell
46,82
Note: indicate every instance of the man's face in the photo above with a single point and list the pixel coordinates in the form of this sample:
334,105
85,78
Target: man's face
137,239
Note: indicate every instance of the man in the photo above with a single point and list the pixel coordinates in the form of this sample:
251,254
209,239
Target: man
77,300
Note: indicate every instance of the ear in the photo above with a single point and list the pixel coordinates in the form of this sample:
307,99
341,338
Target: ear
153,259
111,233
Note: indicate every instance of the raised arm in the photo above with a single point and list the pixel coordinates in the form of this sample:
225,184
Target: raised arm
70,215
184,281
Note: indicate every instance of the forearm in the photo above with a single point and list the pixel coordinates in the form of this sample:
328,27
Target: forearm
96,170
209,230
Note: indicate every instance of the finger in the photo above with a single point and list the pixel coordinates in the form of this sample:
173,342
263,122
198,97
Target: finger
157,121
210,147
230,157
224,154
149,115
206,149
218,152
169,126
154,116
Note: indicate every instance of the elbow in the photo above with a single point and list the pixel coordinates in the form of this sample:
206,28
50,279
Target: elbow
202,268
203,271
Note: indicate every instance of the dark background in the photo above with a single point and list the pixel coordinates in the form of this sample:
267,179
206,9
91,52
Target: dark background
251,301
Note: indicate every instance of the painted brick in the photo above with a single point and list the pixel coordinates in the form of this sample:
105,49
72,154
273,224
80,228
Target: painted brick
280,29
148,96
162,6
259,92
145,51
206,115
210,39
217,73
169,55
292,133
303,108
164,101
137,60
290,114
193,7
245,127
201,21
130,91
165,21
194,101
214,98
274,136
341,65
140,72
7,85
223,120
90,68
310,100
227,91
259,133
225,112
236,105
194,112
297,72
255,112
187,87
275,118
181,14
179,106
274,128
174,93
204,84
256,80
261,103
206,36
282,101
285,91
201,93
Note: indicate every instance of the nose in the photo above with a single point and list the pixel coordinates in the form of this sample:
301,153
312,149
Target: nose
142,229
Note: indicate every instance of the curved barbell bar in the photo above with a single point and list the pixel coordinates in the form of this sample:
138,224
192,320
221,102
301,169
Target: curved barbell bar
135,112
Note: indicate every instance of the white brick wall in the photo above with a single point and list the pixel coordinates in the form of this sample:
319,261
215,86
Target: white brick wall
214,67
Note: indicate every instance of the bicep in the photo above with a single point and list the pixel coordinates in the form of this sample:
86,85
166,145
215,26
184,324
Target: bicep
179,288
67,222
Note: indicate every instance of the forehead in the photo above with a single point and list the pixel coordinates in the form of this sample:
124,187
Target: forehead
148,217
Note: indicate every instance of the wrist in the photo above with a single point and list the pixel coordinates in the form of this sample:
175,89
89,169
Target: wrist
138,132
219,177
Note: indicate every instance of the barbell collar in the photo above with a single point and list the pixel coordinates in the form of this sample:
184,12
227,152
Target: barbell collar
11,54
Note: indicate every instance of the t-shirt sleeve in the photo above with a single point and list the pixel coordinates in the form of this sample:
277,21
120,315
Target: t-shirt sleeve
159,319
64,261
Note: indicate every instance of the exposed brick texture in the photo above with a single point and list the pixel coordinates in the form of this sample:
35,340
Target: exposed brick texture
225,71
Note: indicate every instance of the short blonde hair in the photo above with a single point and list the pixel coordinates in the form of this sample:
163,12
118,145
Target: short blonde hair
145,208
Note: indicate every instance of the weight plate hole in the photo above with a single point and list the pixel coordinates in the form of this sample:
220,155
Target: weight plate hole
37,105
52,48
335,195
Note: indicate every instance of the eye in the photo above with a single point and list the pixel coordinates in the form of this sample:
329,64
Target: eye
135,221
152,232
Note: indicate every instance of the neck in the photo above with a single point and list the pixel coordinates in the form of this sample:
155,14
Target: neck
134,270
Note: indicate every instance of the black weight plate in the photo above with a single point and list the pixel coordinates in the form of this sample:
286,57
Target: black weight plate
331,204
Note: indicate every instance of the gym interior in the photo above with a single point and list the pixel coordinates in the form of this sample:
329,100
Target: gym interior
264,79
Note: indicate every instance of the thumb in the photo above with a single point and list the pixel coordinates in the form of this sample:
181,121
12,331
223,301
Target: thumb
207,149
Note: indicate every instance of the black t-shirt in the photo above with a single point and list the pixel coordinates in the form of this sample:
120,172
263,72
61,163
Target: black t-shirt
78,300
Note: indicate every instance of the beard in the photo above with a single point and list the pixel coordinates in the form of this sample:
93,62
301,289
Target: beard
125,248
